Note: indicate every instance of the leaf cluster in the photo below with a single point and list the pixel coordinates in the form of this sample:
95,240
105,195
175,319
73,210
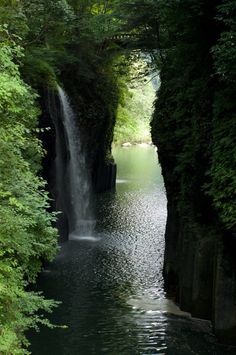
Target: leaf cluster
26,233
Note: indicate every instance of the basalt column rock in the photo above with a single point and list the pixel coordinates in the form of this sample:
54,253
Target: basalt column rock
95,118
224,302
194,129
95,107
104,178
56,158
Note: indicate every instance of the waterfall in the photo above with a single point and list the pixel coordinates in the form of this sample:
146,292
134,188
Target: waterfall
76,178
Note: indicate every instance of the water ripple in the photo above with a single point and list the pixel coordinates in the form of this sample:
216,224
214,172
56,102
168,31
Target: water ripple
112,290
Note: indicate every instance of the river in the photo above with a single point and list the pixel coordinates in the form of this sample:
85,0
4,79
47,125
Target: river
111,285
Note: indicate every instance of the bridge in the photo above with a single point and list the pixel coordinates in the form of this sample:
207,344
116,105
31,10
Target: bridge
132,41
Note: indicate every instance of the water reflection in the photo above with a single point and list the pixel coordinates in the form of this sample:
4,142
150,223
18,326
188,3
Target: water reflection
112,289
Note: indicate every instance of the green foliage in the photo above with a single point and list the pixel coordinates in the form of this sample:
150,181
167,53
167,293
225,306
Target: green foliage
222,188
225,50
65,35
26,234
56,41
193,123
135,111
191,43
12,16
50,25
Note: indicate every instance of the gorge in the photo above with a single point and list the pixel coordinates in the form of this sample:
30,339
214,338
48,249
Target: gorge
111,286
147,252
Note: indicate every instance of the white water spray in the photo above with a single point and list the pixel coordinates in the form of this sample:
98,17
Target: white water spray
81,219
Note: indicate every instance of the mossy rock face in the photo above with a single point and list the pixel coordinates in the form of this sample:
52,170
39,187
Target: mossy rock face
95,103
194,131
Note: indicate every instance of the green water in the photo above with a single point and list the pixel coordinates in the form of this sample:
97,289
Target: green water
111,285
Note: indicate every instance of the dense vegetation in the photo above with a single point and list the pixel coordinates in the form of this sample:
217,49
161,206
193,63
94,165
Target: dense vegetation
42,42
33,39
134,112
192,45
196,102
194,129
26,235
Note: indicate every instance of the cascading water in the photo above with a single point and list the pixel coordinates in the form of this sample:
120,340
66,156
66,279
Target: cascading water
80,215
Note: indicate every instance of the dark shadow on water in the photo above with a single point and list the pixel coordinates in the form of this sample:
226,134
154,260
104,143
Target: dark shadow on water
111,284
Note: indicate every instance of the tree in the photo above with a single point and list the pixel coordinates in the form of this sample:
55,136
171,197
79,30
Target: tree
26,233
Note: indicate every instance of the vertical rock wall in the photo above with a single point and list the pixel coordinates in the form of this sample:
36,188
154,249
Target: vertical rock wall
96,119
200,261
191,128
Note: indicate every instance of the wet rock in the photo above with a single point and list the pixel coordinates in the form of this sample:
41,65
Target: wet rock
126,145
224,304
144,145
105,177
200,269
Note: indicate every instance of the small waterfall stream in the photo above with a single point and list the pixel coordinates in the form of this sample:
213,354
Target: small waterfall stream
80,215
